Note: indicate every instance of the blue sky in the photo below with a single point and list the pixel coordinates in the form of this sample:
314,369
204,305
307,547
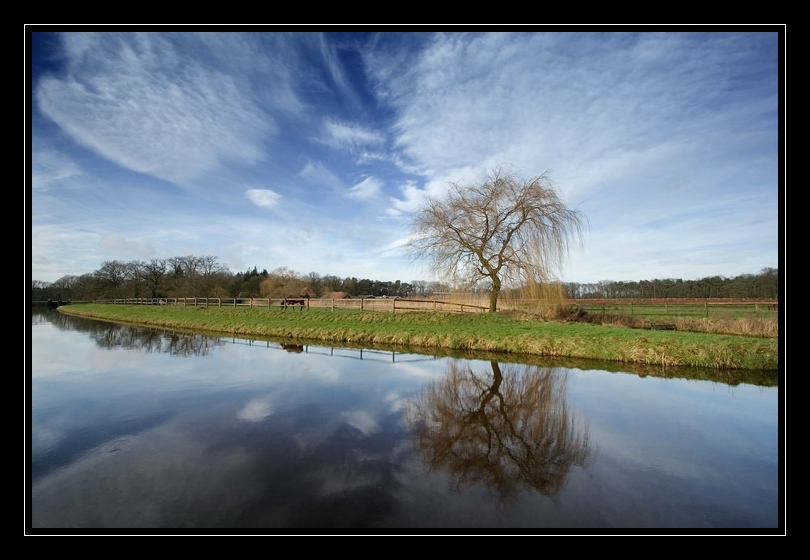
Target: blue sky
311,150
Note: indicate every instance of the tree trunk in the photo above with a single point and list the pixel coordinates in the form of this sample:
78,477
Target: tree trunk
493,298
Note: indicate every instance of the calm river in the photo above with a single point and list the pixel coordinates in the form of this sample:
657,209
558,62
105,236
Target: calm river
153,431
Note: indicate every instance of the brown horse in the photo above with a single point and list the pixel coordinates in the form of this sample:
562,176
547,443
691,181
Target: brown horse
293,302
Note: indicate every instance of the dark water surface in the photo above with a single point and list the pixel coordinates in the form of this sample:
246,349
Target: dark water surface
136,428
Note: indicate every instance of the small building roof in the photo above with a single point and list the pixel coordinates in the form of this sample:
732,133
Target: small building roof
337,295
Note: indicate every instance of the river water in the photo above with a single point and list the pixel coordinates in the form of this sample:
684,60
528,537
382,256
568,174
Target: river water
145,430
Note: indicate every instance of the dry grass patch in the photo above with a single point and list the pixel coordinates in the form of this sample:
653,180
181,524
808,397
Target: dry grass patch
759,328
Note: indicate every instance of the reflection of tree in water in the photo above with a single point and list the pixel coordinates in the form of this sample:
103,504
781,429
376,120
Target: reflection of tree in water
506,429
112,335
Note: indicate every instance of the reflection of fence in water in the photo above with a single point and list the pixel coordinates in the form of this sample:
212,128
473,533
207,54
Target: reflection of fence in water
338,352
373,355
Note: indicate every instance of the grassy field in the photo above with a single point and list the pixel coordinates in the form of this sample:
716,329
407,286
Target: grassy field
515,333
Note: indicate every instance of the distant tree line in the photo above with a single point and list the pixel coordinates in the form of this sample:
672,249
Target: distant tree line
762,285
195,276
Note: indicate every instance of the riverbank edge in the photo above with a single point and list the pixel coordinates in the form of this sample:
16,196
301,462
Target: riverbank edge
602,343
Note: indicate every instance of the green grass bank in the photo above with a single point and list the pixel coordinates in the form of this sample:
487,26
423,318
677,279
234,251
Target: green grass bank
486,332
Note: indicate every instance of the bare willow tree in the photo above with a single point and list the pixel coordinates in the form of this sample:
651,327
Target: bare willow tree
503,230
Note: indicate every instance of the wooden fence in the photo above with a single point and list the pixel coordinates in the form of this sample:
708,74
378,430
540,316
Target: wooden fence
673,306
292,304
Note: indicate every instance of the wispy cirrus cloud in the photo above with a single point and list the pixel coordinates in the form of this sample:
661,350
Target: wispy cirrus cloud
349,136
136,100
366,188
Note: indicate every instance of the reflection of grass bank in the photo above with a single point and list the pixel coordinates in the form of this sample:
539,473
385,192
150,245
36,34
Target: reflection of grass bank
479,332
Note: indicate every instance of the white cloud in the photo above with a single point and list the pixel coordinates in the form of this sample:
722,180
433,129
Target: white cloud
366,188
264,198
412,199
349,136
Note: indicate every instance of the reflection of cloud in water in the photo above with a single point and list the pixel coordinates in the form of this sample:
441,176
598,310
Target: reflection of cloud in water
272,363
363,421
308,439
396,402
255,410
421,369
141,365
